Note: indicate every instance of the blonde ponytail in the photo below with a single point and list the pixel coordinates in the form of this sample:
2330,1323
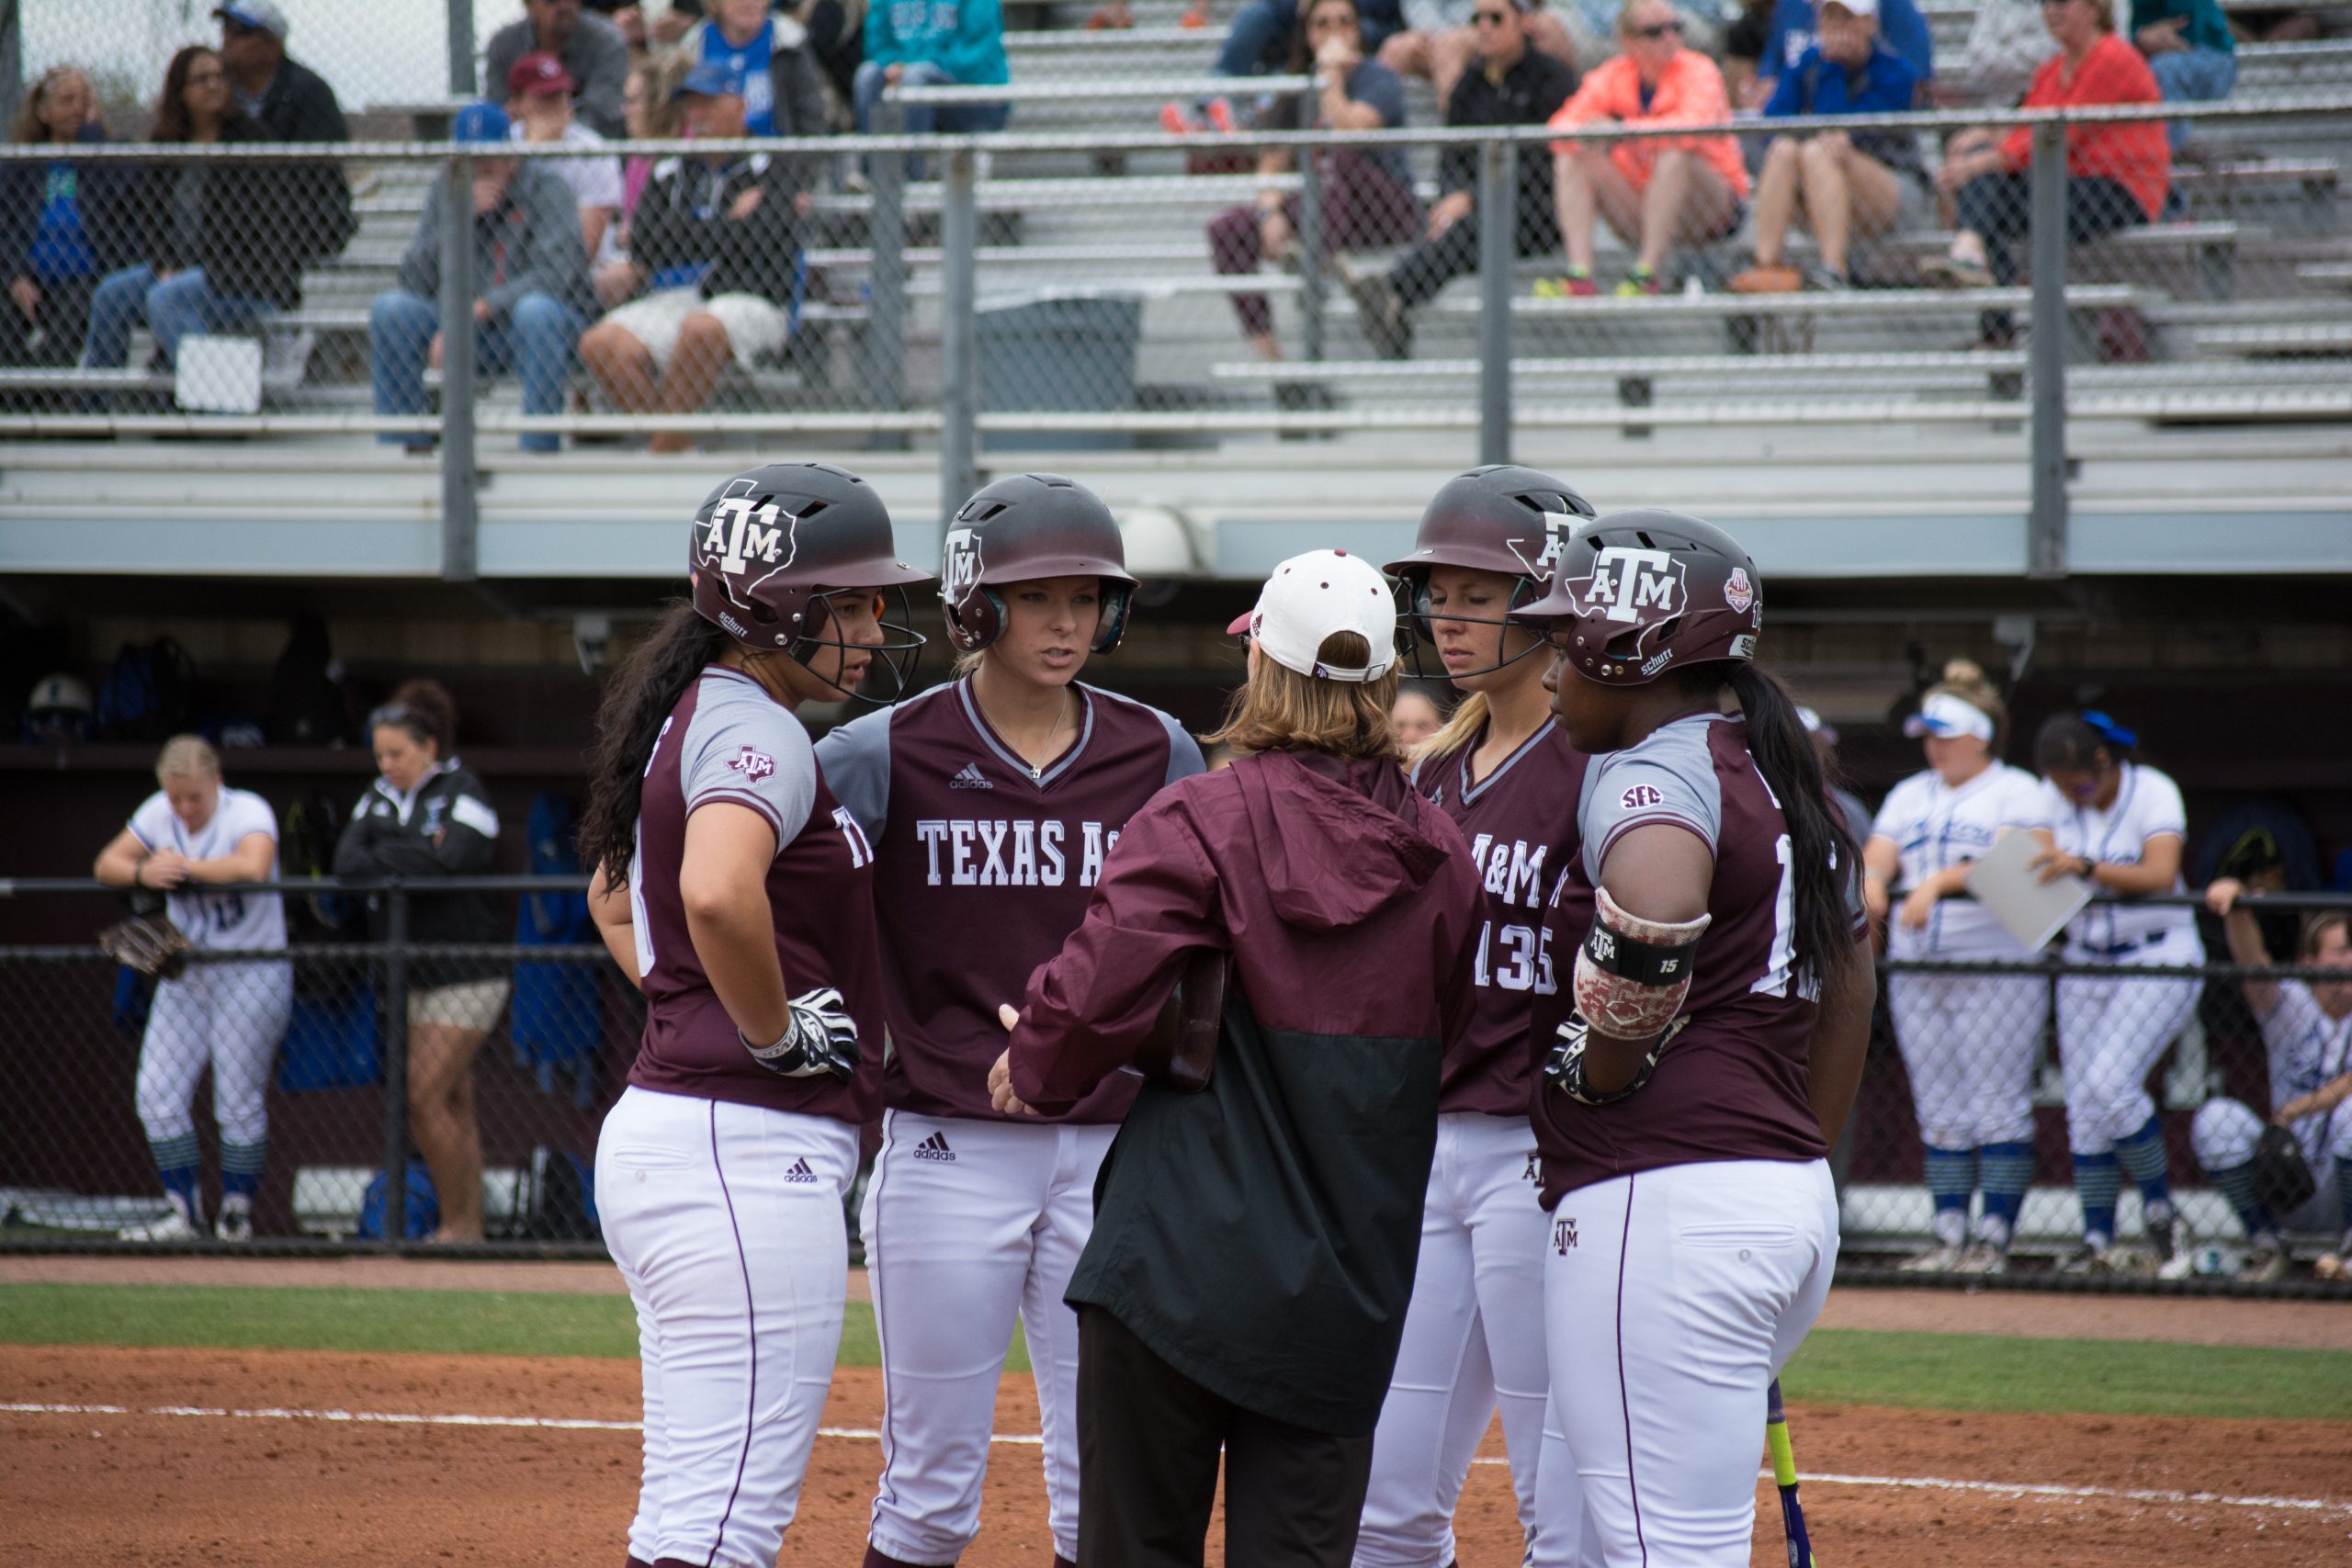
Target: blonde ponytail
1462,728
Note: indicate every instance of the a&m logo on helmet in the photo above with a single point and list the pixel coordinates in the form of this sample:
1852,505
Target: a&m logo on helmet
742,537
1557,526
1629,585
960,573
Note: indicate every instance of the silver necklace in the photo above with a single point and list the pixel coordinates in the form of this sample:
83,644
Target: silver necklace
1036,770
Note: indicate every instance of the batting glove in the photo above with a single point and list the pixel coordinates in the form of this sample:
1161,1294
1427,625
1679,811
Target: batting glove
820,1038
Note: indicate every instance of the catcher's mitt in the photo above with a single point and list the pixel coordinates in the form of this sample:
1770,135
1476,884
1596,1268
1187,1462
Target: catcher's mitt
2283,1180
151,945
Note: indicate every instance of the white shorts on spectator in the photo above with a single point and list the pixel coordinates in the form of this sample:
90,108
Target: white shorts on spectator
755,326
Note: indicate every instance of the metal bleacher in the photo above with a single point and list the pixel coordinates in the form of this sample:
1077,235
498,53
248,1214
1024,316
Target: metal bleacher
2239,355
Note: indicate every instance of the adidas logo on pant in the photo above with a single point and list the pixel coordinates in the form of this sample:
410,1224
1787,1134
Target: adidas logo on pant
935,1147
970,777
800,1171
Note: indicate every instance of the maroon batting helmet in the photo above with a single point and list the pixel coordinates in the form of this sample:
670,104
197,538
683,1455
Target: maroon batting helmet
1501,518
1018,530
1637,592
770,544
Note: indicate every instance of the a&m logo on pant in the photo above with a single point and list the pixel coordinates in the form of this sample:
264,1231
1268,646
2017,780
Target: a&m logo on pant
1564,1236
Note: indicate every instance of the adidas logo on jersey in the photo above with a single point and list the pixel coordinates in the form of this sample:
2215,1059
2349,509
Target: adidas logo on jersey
935,1148
970,778
800,1171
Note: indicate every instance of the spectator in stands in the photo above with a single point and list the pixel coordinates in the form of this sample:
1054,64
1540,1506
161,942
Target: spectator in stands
591,48
1264,36
291,103
1866,184
1367,194
217,242
933,43
538,100
2307,1031
648,101
2007,44
647,39
427,816
1655,194
1901,27
2116,172
1416,715
1443,39
61,223
2189,51
714,237
783,93
1516,84
532,293
196,833
1744,43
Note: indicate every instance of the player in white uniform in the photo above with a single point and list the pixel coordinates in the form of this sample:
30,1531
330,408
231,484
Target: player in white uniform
2307,1027
738,894
231,1015
1968,1040
990,802
2121,827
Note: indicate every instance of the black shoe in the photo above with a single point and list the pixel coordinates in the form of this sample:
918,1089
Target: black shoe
1385,324
2160,1236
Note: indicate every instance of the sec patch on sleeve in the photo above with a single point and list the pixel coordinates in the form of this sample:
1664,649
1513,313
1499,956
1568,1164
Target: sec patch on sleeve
1641,796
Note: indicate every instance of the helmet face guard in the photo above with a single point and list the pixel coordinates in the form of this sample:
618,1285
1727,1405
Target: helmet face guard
1026,528
1641,591
899,651
1501,519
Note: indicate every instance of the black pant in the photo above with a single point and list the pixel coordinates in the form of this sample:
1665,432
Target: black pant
1147,1444
1999,207
1432,264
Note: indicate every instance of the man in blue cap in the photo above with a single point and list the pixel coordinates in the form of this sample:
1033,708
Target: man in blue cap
292,103
531,286
713,237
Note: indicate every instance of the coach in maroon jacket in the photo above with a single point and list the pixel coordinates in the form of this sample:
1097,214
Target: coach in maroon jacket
1253,1247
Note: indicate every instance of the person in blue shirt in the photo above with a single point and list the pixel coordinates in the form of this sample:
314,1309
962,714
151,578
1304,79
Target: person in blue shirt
927,43
1866,183
60,224
2189,51
1901,28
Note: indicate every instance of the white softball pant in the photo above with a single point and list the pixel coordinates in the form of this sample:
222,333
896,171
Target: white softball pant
230,1015
1968,1044
1673,1297
2224,1133
726,1221
969,1224
2111,1029
1474,1337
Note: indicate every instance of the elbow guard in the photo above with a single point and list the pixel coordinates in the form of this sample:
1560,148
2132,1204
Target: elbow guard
1633,974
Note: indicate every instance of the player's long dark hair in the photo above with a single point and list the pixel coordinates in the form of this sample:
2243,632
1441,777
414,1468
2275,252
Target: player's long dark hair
683,644
1822,857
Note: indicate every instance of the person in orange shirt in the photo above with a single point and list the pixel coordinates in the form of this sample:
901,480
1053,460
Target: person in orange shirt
1655,193
2116,172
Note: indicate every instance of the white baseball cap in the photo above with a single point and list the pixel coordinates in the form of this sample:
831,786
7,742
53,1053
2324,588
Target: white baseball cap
1945,714
1859,7
1309,597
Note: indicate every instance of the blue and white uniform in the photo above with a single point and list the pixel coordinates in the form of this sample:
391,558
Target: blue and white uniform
2307,1048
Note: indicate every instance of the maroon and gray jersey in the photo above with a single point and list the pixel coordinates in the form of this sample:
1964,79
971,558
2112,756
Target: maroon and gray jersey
983,868
1732,1085
728,740
1521,821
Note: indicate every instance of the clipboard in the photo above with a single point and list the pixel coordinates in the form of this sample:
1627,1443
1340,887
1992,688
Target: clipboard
2029,908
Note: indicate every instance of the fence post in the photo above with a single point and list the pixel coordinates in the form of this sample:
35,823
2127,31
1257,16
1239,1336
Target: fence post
960,229
1497,220
458,475
886,234
461,49
1310,253
2046,521
395,1055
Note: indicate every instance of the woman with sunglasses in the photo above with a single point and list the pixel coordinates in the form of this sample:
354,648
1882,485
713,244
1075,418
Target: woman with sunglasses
1655,193
738,895
1503,770
2119,825
428,816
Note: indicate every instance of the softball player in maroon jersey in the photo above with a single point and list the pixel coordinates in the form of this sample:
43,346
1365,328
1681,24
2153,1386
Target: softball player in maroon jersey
1504,771
1723,1003
991,802
739,892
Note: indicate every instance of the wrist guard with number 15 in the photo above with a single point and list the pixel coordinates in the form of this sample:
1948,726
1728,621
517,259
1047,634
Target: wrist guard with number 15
1633,974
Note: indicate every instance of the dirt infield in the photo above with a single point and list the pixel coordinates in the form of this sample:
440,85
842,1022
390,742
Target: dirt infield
203,1460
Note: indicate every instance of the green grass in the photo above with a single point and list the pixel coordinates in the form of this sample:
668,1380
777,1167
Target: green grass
2091,1377
1941,1371
443,1322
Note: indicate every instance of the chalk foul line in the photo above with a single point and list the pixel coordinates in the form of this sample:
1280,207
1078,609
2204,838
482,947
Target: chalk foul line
864,1434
